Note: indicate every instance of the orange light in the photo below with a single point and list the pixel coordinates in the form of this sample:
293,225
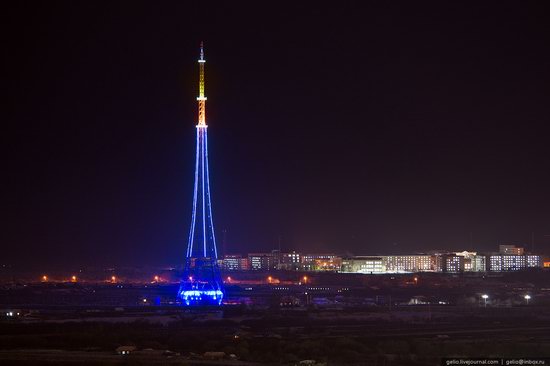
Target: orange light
44,278
269,279
113,278
157,278
73,278
546,264
305,279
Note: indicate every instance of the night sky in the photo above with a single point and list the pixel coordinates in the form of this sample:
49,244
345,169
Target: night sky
357,129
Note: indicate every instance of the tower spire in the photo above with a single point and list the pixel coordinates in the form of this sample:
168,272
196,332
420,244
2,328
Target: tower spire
201,98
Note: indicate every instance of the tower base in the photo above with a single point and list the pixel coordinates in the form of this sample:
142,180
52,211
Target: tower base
198,293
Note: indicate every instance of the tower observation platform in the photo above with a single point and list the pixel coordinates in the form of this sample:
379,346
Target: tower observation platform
201,283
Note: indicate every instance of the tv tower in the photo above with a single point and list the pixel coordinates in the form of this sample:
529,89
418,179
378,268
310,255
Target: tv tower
201,283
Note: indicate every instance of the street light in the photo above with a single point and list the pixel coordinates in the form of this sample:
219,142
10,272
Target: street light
485,297
527,298
305,279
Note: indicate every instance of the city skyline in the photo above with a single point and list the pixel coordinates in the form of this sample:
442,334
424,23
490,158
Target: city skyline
356,129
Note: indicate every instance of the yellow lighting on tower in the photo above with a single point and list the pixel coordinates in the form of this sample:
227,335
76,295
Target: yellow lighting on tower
201,98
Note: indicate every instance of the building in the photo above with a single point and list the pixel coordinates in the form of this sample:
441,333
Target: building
235,262
290,261
504,263
510,249
473,262
533,261
321,262
367,265
409,263
437,262
454,263
333,264
263,261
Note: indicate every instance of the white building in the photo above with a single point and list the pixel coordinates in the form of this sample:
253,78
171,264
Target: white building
368,265
473,262
503,262
408,263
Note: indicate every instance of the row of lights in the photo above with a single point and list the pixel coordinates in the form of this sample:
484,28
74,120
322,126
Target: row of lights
113,279
270,279
485,297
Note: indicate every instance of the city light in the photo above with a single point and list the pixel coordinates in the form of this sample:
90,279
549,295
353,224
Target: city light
527,298
305,279
45,278
485,297
197,296
156,278
269,279
73,279
228,279
113,278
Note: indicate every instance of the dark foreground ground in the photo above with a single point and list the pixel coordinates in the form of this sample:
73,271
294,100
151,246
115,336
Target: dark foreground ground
412,336
408,323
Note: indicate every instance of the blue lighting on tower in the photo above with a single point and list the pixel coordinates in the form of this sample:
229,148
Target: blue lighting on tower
201,283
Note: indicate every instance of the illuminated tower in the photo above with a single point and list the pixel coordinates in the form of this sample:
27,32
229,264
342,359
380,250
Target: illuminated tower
201,283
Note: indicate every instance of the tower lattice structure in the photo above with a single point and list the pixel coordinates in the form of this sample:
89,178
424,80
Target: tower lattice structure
201,283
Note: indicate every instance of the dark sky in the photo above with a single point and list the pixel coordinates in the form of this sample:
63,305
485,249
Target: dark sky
353,128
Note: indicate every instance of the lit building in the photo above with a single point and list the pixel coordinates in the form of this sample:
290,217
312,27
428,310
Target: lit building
368,265
473,262
533,261
331,265
290,261
454,263
310,262
502,263
263,261
235,262
408,263
437,262
510,249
